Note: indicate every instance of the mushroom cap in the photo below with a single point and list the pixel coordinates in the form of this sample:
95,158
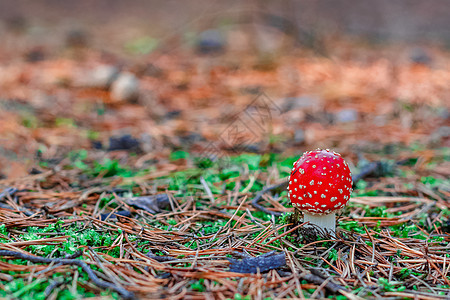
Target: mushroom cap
320,182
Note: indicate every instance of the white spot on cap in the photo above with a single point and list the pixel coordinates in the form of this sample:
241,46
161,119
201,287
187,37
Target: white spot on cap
316,203
301,171
333,199
295,180
315,192
314,166
324,205
311,182
323,196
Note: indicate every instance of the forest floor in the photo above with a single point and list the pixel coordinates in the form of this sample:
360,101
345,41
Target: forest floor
133,176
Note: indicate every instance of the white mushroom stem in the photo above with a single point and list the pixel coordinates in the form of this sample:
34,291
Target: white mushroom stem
324,222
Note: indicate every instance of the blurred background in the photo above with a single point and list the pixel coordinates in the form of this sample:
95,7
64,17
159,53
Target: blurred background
217,78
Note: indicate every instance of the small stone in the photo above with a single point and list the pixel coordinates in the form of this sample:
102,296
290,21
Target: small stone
100,77
76,38
150,70
380,120
34,171
125,87
17,24
346,116
303,102
96,145
190,138
444,113
173,114
115,215
124,142
420,56
440,135
299,136
35,55
210,41
268,40
146,142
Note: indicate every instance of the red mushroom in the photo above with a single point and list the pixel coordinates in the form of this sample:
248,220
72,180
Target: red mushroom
320,185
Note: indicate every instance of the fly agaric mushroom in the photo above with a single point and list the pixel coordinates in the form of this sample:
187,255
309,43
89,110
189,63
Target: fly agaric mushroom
320,185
